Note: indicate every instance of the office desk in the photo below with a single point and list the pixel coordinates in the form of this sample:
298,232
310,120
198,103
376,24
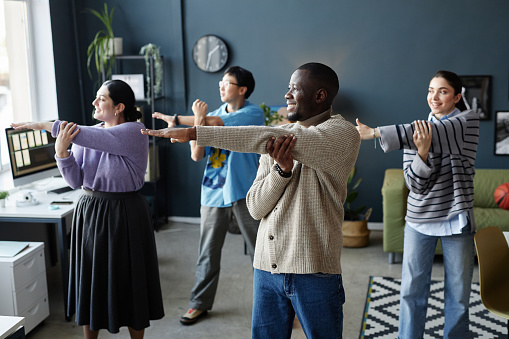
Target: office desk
10,325
42,214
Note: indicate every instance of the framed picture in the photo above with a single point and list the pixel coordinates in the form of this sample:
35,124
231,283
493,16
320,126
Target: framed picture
477,94
502,133
136,83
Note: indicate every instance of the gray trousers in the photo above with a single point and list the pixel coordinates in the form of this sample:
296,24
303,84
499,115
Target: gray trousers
213,228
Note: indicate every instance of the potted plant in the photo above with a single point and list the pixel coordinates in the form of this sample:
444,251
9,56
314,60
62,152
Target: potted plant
151,51
104,46
3,196
355,225
271,117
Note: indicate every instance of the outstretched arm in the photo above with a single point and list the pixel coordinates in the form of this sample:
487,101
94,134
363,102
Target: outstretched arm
190,120
175,134
37,125
366,132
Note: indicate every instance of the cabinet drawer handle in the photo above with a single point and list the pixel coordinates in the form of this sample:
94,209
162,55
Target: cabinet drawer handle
32,286
29,263
33,310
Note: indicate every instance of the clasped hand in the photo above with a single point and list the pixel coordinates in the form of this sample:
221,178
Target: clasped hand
280,150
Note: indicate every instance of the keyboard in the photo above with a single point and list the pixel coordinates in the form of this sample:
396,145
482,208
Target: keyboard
61,190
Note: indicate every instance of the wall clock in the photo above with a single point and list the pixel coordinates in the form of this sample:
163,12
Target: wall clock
210,53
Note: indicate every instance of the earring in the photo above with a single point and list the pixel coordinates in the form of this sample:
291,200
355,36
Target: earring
115,114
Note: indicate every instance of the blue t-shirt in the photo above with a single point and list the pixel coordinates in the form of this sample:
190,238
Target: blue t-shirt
229,175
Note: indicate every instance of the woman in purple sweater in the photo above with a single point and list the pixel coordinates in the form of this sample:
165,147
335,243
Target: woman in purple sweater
114,273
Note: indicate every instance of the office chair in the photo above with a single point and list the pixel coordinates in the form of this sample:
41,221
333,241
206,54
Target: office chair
493,258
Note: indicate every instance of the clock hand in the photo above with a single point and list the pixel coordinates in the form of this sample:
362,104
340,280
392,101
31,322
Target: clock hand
210,55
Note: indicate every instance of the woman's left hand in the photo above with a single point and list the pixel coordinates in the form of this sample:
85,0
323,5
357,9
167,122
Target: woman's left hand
67,132
422,138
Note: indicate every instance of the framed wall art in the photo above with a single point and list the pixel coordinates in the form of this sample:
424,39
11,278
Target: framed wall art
136,83
502,133
477,94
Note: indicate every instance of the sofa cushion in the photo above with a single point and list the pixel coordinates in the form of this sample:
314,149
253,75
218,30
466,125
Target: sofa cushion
485,217
485,183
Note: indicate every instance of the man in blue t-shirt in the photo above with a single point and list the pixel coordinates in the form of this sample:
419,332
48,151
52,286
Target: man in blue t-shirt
226,180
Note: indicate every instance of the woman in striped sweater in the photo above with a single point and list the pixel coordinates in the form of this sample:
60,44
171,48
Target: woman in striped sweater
438,162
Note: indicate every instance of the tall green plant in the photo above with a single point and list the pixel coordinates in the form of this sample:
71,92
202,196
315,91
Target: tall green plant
102,48
352,193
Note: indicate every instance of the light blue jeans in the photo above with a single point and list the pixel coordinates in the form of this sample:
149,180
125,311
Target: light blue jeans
317,299
418,254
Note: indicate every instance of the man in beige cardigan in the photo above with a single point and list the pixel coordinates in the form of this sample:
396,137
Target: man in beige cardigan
298,194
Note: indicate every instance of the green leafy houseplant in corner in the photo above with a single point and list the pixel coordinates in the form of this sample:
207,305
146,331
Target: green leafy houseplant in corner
102,49
271,117
355,225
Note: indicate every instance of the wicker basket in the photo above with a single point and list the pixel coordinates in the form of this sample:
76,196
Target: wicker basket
356,233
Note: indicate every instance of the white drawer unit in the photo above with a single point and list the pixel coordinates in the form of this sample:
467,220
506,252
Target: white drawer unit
23,286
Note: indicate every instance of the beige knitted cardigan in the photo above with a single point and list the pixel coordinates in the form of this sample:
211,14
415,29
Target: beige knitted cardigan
301,216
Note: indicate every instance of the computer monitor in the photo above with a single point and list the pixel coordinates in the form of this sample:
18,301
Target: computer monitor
31,155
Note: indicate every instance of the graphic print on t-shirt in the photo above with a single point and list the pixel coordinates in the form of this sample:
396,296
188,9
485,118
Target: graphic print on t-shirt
216,175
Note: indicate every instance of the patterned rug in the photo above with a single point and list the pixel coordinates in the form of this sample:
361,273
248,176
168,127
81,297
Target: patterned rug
382,311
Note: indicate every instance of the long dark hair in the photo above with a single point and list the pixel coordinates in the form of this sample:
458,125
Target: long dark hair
455,82
121,92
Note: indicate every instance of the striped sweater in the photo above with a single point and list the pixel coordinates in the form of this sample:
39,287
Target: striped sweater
444,186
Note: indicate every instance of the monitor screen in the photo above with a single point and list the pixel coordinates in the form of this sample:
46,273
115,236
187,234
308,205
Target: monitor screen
31,155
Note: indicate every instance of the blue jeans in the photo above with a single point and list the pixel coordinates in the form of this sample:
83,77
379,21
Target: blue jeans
317,299
418,254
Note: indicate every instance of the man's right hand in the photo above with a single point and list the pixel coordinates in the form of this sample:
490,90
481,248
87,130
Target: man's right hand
280,150
175,134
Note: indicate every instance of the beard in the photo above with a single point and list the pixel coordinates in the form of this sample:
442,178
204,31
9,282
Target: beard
293,117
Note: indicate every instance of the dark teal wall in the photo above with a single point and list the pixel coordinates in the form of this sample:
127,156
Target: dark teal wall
383,51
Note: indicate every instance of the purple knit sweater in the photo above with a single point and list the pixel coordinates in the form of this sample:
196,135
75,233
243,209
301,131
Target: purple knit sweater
110,159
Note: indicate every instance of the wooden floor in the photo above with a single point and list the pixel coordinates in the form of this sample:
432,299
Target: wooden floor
231,316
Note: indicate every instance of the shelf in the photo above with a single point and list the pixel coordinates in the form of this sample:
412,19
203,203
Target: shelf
149,121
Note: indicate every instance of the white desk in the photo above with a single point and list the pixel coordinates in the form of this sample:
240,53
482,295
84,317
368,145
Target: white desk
42,214
9,325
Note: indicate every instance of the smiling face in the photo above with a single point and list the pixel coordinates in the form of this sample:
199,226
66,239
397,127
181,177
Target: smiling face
105,109
300,97
441,97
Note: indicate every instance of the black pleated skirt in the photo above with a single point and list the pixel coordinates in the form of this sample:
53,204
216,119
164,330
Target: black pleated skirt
114,272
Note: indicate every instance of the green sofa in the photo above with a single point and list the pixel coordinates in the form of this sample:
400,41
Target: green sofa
395,192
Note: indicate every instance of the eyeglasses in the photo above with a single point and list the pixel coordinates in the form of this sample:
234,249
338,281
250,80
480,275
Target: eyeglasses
226,83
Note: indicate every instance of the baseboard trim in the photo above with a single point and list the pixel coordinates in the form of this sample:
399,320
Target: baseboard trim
372,226
376,226
186,220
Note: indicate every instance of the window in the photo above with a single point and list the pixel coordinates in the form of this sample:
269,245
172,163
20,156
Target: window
27,72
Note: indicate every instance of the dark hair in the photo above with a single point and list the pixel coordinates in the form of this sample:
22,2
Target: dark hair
244,78
325,76
121,92
455,82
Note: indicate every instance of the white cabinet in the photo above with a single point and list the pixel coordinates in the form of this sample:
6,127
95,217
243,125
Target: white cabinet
23,286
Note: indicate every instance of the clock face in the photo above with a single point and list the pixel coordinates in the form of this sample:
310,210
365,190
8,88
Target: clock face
210,53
